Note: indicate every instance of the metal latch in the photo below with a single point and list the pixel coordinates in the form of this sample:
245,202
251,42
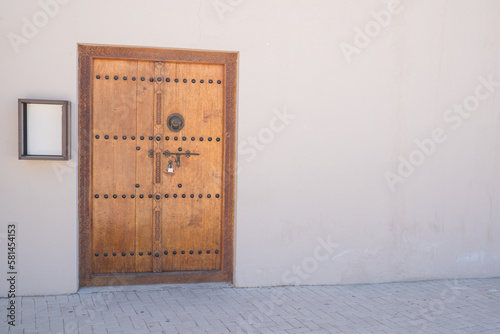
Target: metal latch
178,156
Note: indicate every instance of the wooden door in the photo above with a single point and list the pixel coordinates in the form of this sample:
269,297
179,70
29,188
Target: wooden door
160,180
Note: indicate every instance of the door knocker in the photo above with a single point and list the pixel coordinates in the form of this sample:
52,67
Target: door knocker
175,122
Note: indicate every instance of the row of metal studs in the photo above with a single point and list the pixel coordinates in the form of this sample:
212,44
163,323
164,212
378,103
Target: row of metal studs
158,138
159,79
157,254
158,196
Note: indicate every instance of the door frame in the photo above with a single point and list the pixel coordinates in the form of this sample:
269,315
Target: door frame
86,54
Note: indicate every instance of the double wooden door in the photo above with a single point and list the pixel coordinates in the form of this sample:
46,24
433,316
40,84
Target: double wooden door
158,148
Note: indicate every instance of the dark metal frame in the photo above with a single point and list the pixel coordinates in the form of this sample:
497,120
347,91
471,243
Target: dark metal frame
87,54
23,130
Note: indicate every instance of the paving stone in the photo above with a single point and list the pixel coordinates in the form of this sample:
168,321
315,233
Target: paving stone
447,306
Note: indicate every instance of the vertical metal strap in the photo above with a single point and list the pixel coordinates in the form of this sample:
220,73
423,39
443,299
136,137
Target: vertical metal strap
157,181
158,108
157,261
157,168
157,225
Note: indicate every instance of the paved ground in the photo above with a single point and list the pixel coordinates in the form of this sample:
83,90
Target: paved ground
463,306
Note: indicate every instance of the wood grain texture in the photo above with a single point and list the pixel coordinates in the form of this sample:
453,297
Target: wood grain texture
144,171
113,166
193,221
160,278
221,269
84,162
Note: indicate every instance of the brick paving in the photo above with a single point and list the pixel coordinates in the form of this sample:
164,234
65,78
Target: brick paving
454,306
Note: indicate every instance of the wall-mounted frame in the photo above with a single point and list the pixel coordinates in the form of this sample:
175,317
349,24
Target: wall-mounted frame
44,129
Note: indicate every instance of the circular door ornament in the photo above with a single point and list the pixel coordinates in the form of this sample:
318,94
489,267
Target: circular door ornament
175,122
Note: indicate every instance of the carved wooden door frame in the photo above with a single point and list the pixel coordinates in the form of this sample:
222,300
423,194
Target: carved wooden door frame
87,53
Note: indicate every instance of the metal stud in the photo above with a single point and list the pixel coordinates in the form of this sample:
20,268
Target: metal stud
141,196
157,255
176,80
96,196
124,196
174,252
158,138
142,137
133,78
158,197
137,185
123,253
97,137
183,195
115,137
210,81
191,252
165,252
193,138
217,195
166,195
141,253
150,137
132,253
193,81
218,139
200,196
115,77
201,138
216,251
209,138
124,137
106,196
175,195
183,252
114,253
132,196
115,196
208,251
159,79
199,252
133,137
179,185
149,253
124,78
208,196
184,80
192,196
176,138
202,81
151,79
98,76
106,137
219,82
180,149
96,254
105,254
184,138
138,148
150,196
143,78
167,138
167,79
107,77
